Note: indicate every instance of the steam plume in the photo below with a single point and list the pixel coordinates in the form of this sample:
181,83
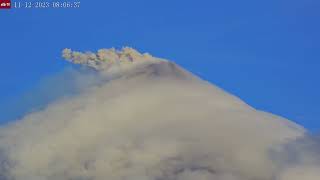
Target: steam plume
106,58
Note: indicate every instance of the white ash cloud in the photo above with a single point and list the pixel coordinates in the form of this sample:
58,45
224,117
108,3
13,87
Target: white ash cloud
106,58
150,126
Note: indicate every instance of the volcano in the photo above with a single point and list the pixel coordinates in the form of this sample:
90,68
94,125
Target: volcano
147,119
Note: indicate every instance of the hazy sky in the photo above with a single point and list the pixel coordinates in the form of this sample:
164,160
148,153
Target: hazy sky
267,53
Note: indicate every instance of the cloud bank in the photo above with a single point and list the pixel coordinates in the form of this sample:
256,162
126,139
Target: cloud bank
154,121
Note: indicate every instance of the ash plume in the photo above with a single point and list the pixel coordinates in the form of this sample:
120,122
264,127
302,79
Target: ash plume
153,121
106,58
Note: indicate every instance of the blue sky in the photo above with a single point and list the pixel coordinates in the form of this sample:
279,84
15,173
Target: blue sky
265,52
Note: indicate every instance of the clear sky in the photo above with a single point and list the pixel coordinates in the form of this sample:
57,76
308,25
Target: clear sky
265,52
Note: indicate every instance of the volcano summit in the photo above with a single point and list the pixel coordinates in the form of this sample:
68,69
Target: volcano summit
149,119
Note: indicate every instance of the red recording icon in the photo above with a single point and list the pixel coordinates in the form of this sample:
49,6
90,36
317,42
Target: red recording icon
5,4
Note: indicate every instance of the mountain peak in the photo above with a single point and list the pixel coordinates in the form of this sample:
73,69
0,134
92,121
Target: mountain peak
126,62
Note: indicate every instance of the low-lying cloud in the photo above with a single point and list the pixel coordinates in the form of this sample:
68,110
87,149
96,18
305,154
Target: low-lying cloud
144,125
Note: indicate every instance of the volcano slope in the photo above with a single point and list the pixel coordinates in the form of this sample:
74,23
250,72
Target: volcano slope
149,119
